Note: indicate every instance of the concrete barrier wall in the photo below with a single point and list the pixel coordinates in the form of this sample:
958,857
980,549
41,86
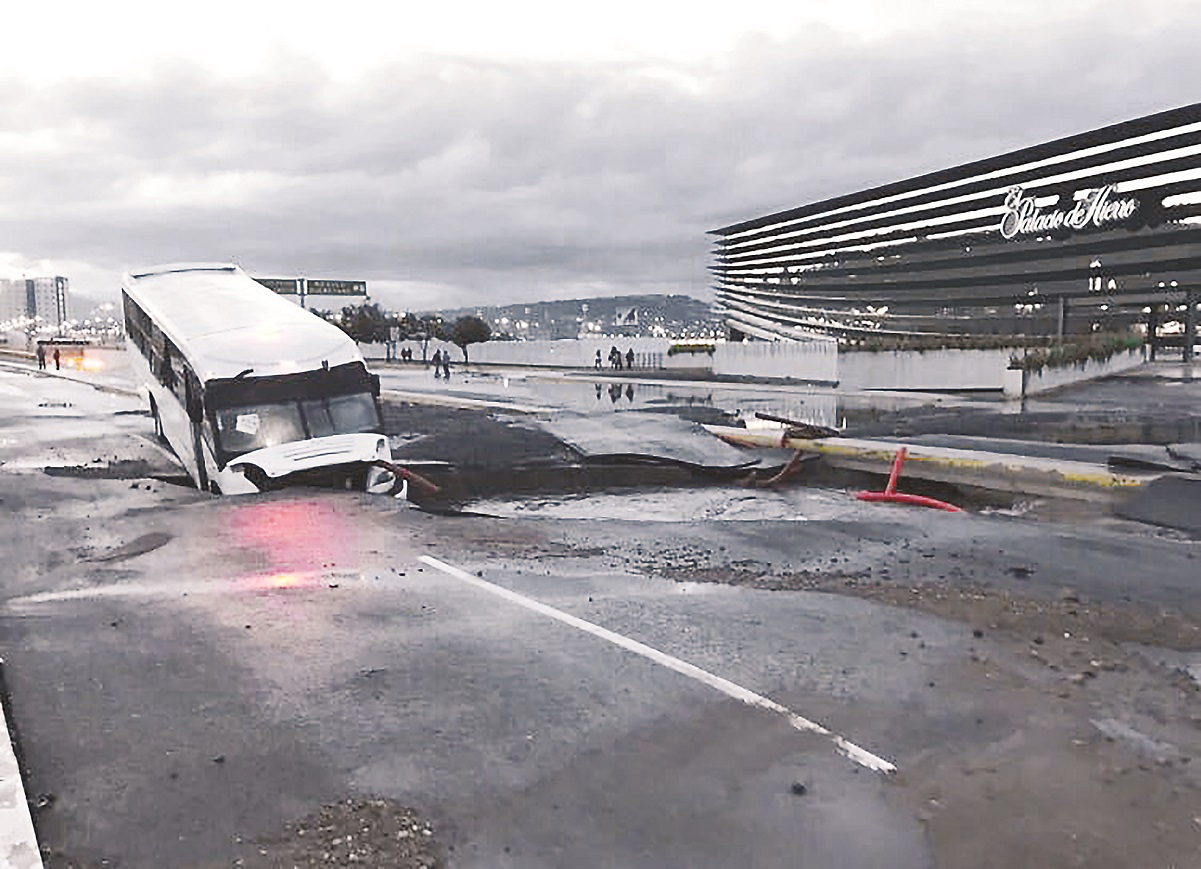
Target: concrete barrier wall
928,369
1051,378
816,361
649,353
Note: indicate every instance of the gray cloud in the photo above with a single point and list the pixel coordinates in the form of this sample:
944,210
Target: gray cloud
460,181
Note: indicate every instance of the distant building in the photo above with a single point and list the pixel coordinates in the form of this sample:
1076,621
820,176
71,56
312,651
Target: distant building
48,298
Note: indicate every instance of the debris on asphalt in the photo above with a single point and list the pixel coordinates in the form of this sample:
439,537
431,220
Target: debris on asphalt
374,832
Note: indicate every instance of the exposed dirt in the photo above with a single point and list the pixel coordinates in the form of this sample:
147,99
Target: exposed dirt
120,469
354,832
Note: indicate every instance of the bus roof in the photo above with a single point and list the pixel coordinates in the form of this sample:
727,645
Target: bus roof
224,322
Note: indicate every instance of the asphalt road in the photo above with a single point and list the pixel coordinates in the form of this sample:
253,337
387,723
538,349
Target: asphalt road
189,675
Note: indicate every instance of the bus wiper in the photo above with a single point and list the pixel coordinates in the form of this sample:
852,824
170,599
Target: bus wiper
242,374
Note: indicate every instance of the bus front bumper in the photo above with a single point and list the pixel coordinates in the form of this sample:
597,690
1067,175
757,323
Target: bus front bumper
344,461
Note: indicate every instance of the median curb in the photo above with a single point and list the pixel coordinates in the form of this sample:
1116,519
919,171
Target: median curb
1004,472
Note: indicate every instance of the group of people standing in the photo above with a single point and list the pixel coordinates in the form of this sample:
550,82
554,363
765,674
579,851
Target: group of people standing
41,354
616,360
441,360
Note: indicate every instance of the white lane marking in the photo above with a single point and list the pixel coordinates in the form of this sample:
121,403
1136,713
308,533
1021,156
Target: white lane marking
854,752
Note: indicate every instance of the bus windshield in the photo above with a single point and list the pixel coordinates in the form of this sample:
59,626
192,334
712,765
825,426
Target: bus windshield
257,426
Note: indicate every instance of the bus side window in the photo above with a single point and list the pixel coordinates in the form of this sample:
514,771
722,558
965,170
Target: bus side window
158,354
180,372
136,326
192,396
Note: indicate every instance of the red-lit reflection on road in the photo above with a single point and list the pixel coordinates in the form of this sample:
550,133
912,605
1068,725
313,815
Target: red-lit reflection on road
293,543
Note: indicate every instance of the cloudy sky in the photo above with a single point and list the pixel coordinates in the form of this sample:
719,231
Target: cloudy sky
456,153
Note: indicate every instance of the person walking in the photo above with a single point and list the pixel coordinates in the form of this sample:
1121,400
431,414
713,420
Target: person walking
57,363
437,360
598,360
41,354
446,364
630,358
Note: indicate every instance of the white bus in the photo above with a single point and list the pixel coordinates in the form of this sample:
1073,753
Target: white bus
251,391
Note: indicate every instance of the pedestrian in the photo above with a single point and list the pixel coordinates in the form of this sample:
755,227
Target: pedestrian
437,363
614,358
57,365
446,364
598,360
630,358
41,353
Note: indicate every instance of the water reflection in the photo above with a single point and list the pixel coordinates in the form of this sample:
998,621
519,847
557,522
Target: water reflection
814,405
615,392
815,409
293,543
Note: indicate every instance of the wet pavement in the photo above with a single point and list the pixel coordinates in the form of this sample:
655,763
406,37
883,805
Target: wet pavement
195,679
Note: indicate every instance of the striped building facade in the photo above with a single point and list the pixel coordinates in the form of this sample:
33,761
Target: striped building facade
1086,233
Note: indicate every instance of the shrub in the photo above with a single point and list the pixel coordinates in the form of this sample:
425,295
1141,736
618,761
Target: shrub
1078,351
676,349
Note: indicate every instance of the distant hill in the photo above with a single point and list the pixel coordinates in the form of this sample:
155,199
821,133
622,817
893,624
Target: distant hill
669,315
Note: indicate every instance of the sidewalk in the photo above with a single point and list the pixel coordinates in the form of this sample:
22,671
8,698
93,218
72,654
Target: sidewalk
18,844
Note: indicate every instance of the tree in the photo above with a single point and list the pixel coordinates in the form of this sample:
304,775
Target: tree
367,323
469,330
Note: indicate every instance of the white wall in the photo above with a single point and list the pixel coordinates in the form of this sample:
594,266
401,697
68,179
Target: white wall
928,369
816,361
807,360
